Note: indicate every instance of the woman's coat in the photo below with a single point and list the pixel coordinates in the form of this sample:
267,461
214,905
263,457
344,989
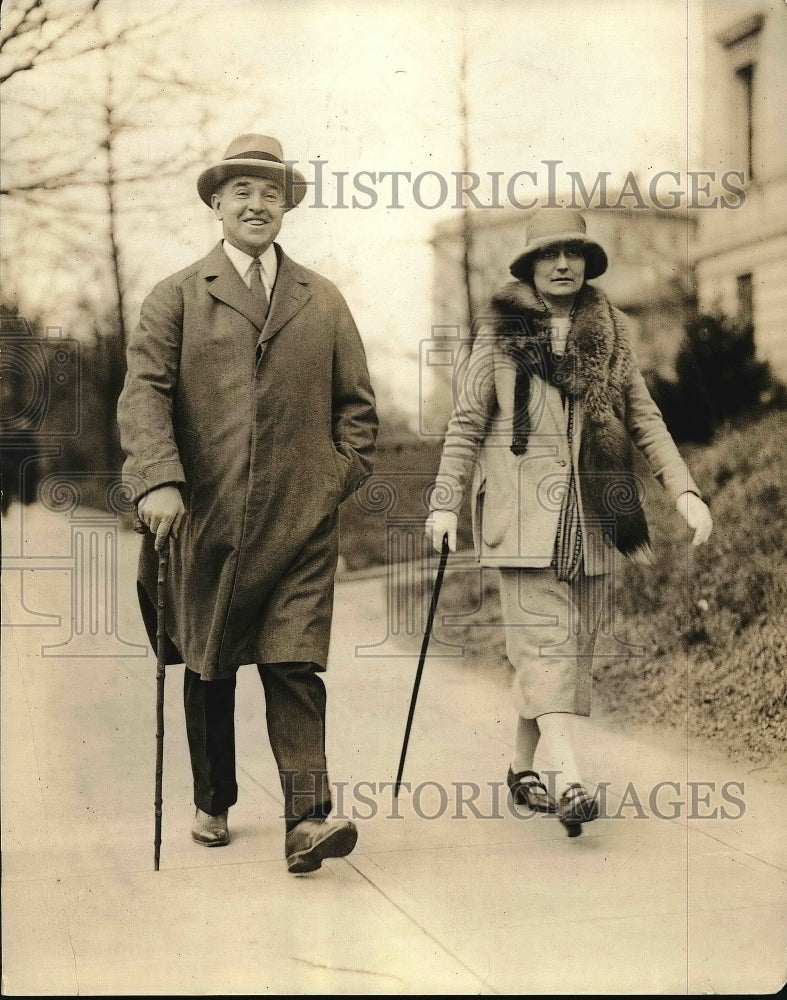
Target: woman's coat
266,431
516,499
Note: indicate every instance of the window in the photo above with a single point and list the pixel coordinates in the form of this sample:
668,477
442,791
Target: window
745,290
744,81
742,43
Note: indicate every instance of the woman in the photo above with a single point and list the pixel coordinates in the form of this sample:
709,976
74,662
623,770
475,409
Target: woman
550,405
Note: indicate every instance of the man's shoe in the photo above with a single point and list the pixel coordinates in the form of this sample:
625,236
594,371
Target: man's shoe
312,840
575,808
210,831
527,789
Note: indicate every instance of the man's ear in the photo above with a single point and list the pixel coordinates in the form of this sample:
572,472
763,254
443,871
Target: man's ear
215,204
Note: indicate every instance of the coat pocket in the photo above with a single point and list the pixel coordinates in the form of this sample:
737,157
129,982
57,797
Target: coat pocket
500,498
342,466
187,444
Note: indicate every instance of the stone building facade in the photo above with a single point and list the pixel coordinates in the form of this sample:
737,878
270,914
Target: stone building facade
740,257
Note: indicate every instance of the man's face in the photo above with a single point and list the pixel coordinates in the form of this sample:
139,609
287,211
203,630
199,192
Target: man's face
559,270
250,210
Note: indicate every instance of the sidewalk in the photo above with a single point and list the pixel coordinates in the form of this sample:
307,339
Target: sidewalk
448,891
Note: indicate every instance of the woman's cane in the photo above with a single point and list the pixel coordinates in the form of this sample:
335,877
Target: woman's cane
424,646
161,585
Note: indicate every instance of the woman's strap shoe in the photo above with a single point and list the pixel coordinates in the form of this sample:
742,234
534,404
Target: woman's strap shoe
575,808
527,789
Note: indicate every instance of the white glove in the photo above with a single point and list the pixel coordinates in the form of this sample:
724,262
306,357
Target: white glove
439,524
697,516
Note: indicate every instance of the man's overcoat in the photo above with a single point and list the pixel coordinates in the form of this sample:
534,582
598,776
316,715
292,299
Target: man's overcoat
265,431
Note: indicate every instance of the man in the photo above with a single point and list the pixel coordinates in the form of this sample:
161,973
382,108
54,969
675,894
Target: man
247,416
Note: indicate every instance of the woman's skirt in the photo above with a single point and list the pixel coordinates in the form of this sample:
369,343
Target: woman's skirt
551,628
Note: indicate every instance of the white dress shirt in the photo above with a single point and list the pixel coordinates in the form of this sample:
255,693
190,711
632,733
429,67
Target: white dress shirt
269,266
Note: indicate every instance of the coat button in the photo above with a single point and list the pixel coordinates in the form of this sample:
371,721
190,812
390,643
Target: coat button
561,462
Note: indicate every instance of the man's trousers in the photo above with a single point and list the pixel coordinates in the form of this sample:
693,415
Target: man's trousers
295,715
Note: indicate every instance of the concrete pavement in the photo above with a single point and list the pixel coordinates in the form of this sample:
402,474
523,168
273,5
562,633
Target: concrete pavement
679,889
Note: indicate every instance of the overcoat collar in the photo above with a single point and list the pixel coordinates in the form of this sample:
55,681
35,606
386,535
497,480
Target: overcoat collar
290,292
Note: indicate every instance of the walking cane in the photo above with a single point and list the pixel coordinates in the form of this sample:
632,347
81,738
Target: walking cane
424,646
161,583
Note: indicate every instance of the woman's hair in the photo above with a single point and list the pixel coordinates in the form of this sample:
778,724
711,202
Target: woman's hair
526,270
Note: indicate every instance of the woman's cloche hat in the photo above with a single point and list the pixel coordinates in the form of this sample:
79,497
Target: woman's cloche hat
258,156
550,226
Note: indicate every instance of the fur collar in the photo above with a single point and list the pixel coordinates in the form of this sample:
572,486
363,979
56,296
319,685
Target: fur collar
595,370
597,361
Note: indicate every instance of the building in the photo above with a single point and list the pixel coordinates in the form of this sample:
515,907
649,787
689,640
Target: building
741,254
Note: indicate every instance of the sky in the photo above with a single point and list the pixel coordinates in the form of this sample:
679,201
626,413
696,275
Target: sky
373,86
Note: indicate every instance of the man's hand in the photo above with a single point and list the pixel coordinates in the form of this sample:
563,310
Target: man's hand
441,523
162,511
697,516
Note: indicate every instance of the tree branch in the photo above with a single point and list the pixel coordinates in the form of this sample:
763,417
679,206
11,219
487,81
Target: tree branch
34,59
24,25
76,179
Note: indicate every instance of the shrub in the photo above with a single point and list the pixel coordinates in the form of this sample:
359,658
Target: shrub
717,377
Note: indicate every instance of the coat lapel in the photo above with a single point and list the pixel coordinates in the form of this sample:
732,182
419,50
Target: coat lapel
226,285
290,294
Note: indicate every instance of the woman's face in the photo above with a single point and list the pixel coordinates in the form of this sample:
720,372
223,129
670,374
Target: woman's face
559,271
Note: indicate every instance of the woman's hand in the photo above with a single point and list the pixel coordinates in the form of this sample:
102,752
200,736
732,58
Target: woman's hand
439,524
697,516
162,511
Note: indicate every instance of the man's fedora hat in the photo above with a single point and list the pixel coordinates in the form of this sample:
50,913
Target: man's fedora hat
258,156
551,226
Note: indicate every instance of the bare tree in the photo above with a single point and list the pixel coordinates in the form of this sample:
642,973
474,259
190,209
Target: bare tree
89,147
84,91
37,32
464,141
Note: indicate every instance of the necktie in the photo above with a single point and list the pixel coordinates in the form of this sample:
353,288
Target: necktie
257,288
